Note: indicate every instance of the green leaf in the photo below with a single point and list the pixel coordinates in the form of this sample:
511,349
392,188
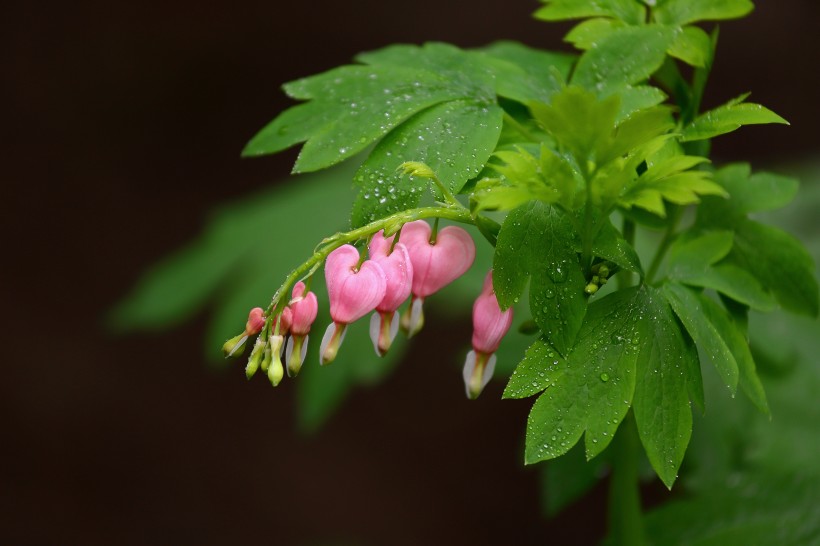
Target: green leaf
693,46
350,107
578,121
692,311
627,56
455,139
682,12
780,263
690,256
525,74
661,401
735,282
639,97
670,180
541,367
628,11
537,241
747,193
586,34
737,343
610,245
594,388
727,118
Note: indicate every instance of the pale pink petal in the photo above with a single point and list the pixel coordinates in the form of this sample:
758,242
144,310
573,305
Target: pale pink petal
355,294
490,324
256,320
304,308
437,265
399,272
339,264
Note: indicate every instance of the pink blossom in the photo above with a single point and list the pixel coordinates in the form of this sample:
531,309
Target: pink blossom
435,265
354,291
398,269
490,324
304,308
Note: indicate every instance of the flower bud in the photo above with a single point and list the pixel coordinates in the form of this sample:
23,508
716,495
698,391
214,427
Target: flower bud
235,346
256,321
255,359
276,371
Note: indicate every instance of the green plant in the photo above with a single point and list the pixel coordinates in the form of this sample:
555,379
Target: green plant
630,260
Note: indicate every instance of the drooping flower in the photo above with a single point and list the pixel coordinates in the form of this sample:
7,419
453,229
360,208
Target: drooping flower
398,269
281,324
274,353
354,290
435,264
490,324
304,308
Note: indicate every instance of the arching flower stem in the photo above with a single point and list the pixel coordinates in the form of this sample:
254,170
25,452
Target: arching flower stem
455,212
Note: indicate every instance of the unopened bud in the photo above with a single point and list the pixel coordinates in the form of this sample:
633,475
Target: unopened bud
416,168
235,346
412,320
256,321
256,357
591,288
276,371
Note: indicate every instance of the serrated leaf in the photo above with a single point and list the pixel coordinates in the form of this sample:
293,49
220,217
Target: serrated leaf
727,118
455,139
625,57
537,241
682,12
350,107
628,11
595,390
689,308
693,46
661,401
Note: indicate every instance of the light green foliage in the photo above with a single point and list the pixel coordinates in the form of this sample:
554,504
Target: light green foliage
727,118
682,12
558,10
693,46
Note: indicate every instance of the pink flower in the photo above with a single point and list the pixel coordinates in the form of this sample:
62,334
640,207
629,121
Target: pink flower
256,320
303,308
354,291
435,264
398,269
490,324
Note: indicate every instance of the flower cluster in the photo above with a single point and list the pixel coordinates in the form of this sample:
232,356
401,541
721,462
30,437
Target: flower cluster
413,264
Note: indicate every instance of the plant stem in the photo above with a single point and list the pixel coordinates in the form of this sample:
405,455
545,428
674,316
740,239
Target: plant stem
455,213
666,242
625,521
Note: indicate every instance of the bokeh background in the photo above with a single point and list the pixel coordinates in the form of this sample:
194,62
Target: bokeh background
123,124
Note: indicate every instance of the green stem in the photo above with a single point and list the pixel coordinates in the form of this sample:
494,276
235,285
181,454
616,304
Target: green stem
625,521
666,242
520,128
448,196
328,245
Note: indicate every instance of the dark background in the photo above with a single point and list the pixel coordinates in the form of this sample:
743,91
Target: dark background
122,128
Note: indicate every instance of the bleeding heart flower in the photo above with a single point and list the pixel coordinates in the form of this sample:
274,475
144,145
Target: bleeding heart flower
304,308
354,291
435,264
490,324
398,269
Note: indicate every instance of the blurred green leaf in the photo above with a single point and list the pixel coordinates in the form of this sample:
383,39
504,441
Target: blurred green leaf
727,118
693,46
682,12
628,11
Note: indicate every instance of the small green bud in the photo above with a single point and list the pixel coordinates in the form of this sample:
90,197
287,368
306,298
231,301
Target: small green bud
603,271
591,288
274,349
416,168
235,346
256,357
